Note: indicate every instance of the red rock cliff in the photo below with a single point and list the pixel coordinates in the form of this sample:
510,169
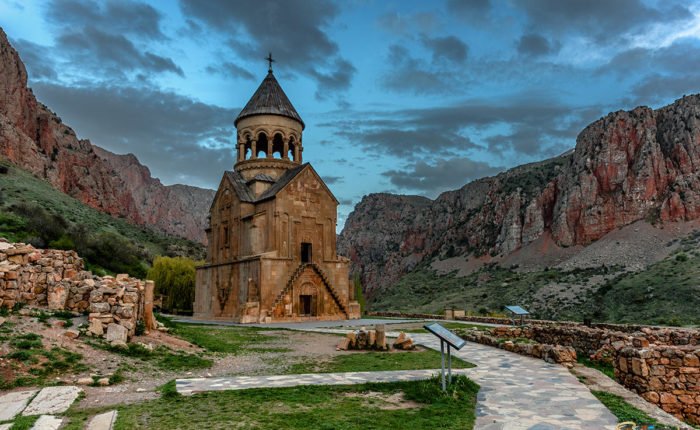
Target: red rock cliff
629,166
35,139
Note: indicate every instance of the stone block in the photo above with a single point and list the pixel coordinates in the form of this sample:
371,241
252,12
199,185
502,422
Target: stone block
100,307
691,360
52,400
651,396
57,297
116,333
668,398
13,403
71,333
639,367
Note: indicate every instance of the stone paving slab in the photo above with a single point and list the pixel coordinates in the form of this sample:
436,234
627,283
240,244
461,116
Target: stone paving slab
47,422
52,400
519,392
197,385
103,421
13,403
5,426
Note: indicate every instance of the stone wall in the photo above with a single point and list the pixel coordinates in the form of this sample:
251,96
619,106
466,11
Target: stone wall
668,376
56,280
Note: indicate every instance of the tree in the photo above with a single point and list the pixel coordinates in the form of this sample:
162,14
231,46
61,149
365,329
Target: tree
359,295
174,278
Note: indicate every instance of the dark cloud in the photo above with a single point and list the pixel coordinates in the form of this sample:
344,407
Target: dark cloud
537,127
178,138
294,31
536,45
116,17
599,20
108,40
112,52
37,59
443,174
416,75
333,179
230,70
659,74
448,48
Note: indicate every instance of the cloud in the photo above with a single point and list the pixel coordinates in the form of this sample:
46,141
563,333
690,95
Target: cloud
117,17
448,48
536,45
113,41
180,139
231,70
333,179
416,75
657,87
37,59
103,51
293,30
521,125
443,174
599,20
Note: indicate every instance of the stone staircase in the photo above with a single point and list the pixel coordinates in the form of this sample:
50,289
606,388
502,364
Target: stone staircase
279,300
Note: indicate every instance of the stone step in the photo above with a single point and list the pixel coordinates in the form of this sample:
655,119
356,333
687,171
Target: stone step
48,422
53,400
104,421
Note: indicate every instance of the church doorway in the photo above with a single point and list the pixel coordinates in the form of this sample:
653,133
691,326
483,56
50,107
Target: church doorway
305,252
305,308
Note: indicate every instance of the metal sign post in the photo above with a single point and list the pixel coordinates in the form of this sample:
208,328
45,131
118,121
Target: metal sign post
452,341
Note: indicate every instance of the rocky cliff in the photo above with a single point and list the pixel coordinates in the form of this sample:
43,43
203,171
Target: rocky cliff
34,138
628,166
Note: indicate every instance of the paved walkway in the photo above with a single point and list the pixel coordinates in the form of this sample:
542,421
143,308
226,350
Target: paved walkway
519,392
197,385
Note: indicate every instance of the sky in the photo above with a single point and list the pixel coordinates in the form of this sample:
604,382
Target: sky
408,97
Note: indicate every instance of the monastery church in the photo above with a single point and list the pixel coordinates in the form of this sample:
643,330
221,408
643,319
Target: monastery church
271,254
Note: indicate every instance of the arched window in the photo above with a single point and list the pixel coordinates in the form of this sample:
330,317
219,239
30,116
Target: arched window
277,146
261,147
290,150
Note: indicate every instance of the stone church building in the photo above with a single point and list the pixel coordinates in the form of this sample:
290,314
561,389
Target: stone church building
272,243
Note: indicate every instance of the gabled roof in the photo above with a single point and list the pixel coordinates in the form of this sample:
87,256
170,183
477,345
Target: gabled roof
262,178
269,99
245,194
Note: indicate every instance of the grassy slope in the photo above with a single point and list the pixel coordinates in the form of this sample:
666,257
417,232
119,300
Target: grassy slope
20,186
667,292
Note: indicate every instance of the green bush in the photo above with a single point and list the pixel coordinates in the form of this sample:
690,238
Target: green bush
174,279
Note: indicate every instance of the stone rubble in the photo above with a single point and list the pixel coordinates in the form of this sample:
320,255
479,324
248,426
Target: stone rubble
56,279
365,339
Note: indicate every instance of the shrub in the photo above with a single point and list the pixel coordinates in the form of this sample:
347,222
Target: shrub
174,278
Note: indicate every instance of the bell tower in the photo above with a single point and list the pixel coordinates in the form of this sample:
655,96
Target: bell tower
269,129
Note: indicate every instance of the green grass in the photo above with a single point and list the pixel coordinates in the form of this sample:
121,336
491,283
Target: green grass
32,364
230,340
312,407
665,293
23,423
607,369
161,357
19,186
623,410
377,361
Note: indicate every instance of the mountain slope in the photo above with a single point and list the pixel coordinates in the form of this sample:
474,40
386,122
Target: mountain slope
629,166
35,139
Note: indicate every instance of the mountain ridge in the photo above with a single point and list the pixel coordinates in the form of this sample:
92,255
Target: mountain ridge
628,166
35,139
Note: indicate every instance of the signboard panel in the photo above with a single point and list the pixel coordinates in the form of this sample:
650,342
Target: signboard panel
452,339
517,310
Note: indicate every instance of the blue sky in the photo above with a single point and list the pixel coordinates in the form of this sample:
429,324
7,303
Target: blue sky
411,97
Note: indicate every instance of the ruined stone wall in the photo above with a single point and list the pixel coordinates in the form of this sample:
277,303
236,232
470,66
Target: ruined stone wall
55,279
668,376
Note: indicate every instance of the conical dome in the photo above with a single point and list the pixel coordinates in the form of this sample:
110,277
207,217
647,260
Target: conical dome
269,99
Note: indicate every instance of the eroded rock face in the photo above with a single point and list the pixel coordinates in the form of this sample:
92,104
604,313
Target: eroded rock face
34,138
628,166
